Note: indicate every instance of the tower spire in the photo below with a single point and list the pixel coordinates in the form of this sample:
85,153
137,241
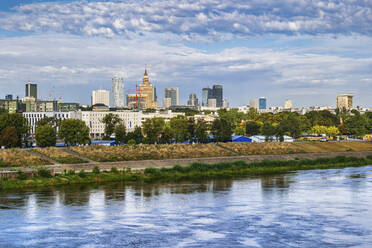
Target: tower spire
145,70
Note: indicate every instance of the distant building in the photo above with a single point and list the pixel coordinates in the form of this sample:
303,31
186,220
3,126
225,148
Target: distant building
253,103
217,93
93,119
31,90
262,103
9,97
207,94
11,106
118,92
212,103
345,101
34,117
288,104
101,97
167,102
193,100
225,103
148,92
67,107
173,94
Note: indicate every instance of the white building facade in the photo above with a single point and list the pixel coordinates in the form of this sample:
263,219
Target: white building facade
93,119
118,92
101,97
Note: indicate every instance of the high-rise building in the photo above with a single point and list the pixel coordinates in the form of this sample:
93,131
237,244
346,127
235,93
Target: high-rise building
207,93
345,101
101,97
148,92
167,102
172,93
212,103
262,103
288,104
118,92
9,97
31,90
253,103
193,100
217,93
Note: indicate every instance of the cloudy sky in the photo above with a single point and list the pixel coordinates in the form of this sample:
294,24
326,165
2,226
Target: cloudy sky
305,50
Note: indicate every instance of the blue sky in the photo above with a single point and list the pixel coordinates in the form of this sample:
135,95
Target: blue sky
305,50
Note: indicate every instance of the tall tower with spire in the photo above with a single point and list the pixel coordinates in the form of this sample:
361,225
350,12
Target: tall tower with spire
148,92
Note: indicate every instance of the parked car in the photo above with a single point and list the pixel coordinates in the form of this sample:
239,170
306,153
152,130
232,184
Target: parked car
323,139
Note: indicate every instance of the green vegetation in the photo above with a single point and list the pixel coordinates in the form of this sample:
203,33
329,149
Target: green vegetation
16,157
45,136
13,130
110,121
74,132
194,171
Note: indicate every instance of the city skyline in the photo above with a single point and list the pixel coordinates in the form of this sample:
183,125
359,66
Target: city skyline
292,50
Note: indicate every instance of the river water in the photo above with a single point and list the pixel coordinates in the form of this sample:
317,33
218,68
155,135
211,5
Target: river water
318,208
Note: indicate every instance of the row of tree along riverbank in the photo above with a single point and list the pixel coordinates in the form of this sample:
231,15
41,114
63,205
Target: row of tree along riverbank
195,171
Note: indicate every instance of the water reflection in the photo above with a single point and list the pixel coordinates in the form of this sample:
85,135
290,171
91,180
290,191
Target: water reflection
309,208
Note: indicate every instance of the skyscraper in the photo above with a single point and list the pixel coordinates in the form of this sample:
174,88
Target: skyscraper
101,97
288,104
193,100
207,93
218,95
31,90
262,103
172,93
148,92
118,92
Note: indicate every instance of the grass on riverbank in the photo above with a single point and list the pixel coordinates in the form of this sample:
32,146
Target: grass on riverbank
16,157
60,155
174,151
194,171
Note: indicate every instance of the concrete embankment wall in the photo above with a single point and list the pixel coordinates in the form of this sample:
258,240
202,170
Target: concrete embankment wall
142,164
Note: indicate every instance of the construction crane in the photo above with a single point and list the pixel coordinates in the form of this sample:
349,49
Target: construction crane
137,91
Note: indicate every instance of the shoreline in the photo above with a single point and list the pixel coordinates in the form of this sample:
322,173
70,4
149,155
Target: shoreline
193,171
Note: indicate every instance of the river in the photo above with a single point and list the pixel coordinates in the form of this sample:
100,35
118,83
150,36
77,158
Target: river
317,208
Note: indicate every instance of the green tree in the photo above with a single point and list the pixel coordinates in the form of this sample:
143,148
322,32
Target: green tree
356,125
180,128
120,133
74,132
221,129
110,120
201,131
322,118
166,135
268,130
9,137
52,121
239,130
45,136
252,128
152,128
18,122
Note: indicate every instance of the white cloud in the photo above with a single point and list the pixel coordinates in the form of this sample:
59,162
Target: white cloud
75,65
205,19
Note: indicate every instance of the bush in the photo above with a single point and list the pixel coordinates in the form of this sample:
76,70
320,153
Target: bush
71,172
96,170
44,172
114,170
131,142
82,173
151,170
21,175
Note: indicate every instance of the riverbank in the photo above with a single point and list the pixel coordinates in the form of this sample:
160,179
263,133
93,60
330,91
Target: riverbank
194,171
